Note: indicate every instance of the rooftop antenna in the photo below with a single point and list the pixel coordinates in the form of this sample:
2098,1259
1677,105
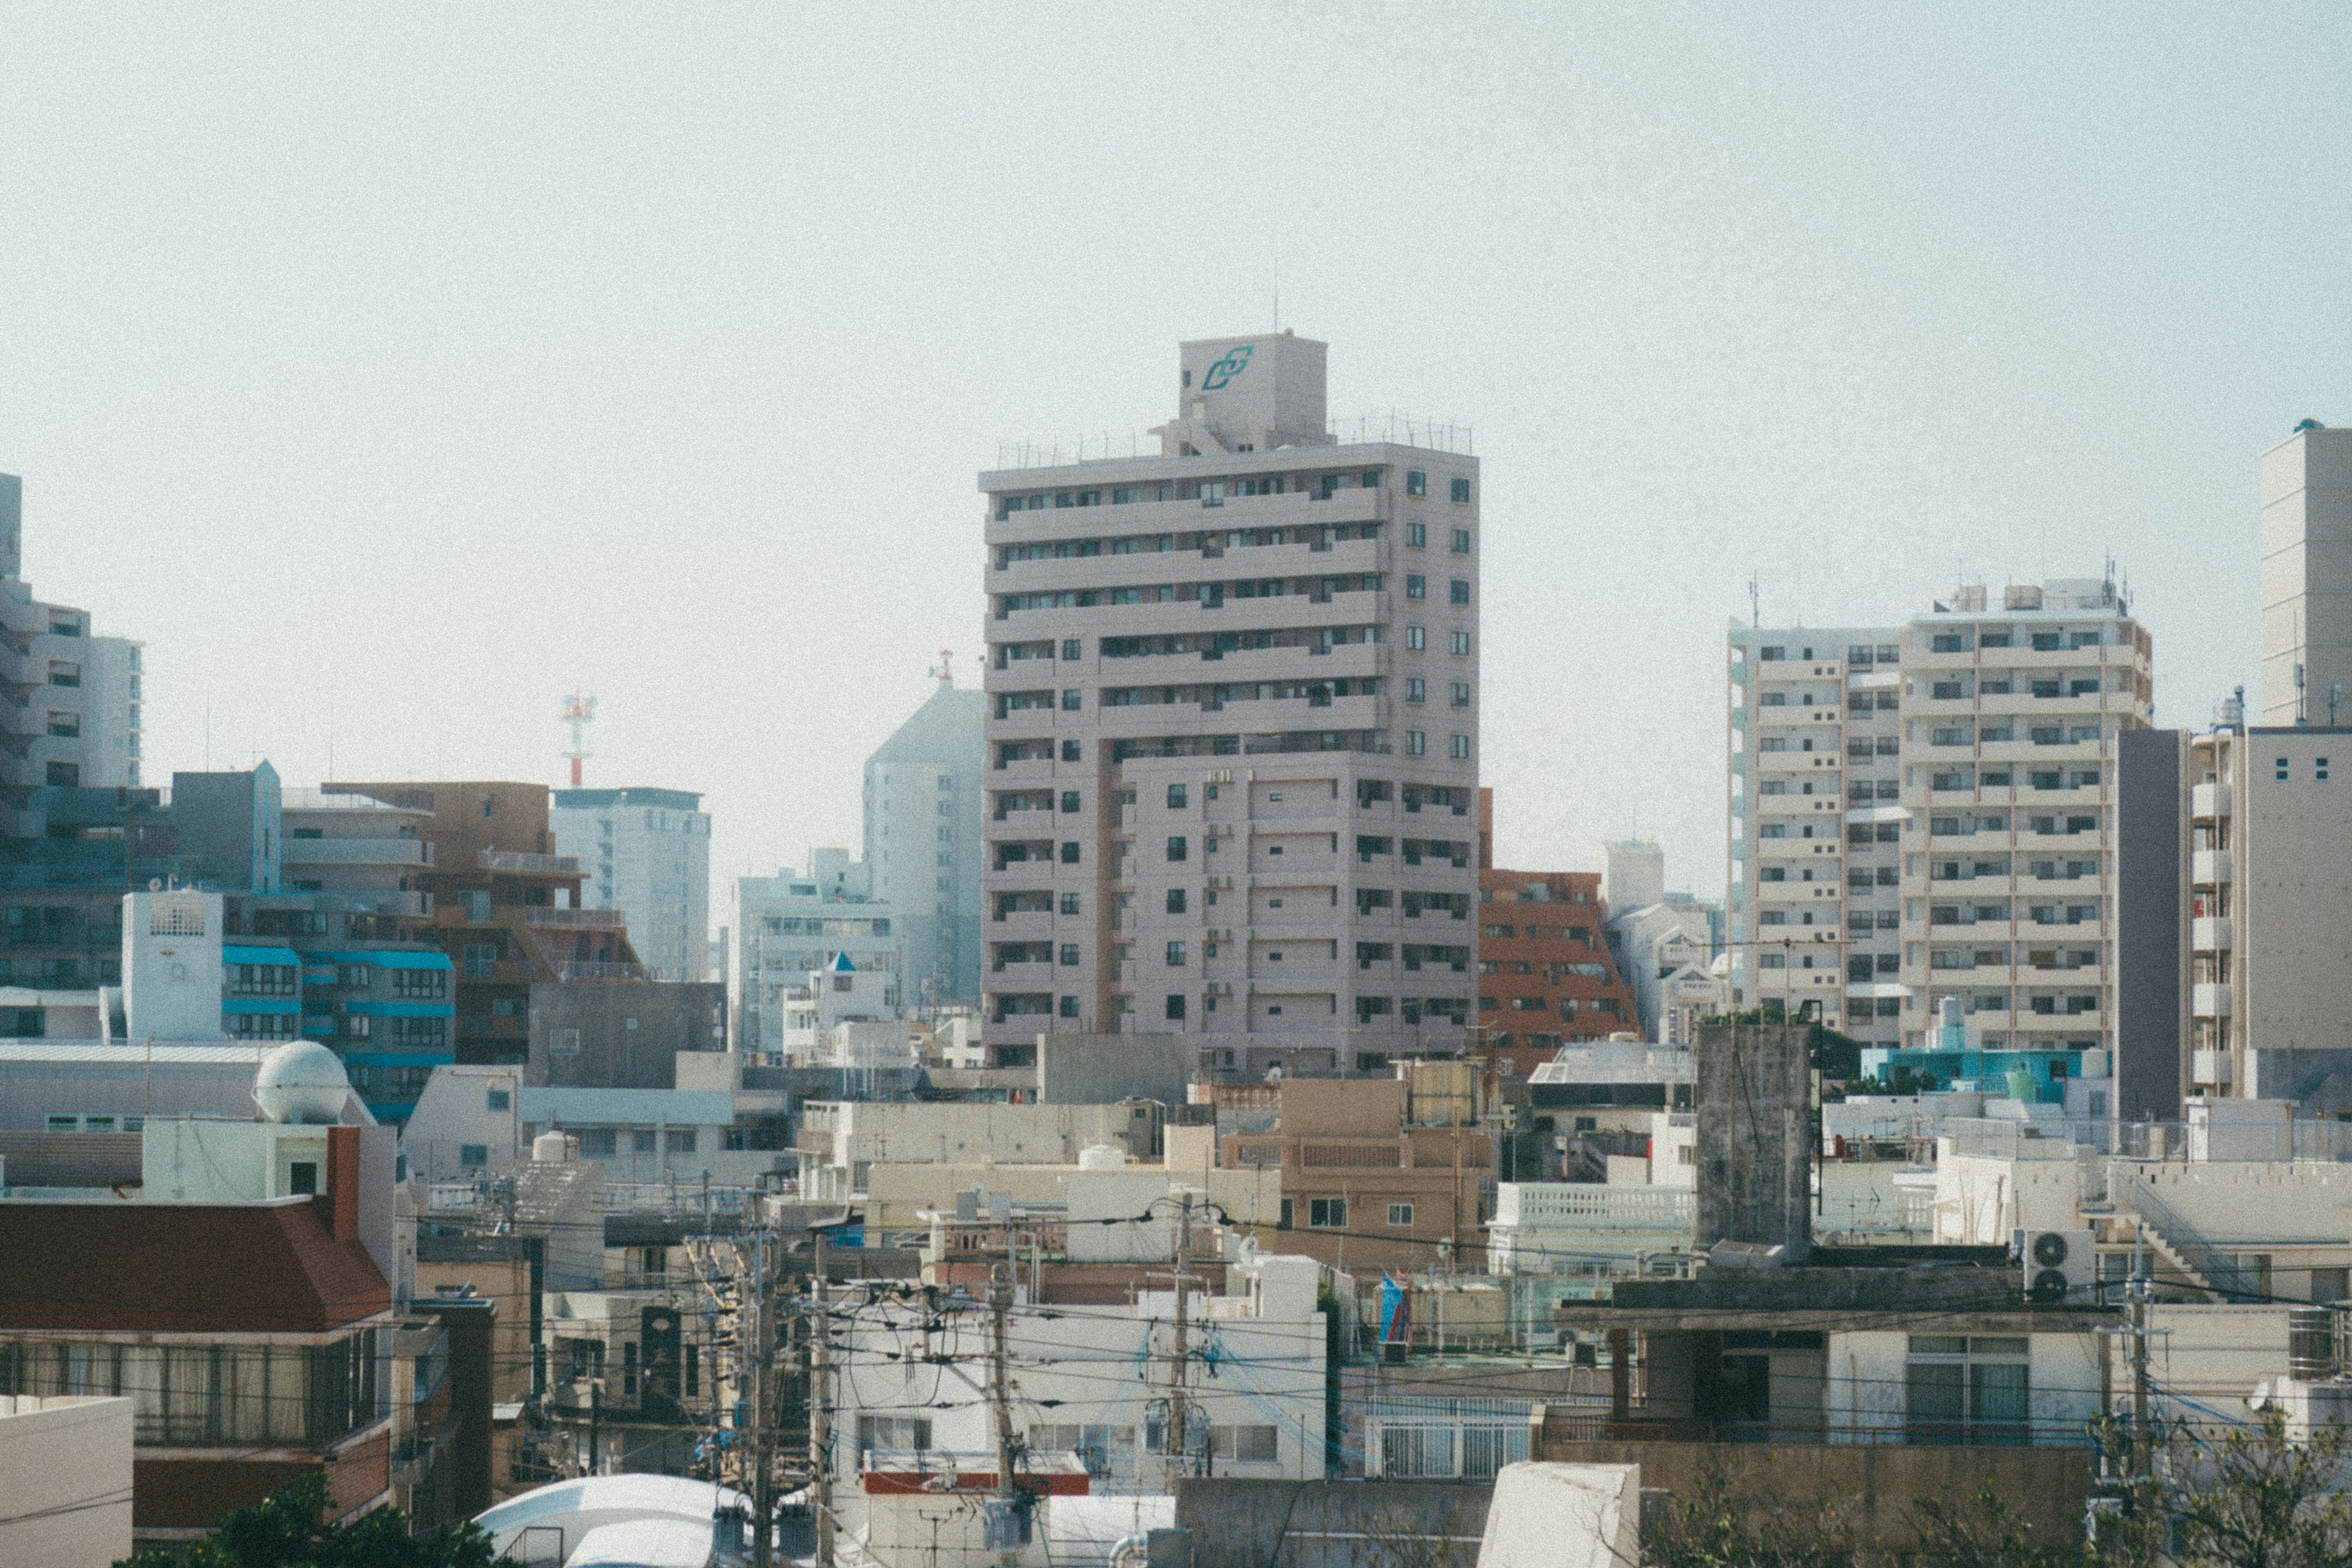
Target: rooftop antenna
1755,614
945,673
577,712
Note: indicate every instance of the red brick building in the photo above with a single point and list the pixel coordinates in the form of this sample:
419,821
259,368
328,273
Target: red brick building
1544,976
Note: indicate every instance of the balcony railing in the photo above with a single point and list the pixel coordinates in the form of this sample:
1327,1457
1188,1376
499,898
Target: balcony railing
599,920
592,971
515,860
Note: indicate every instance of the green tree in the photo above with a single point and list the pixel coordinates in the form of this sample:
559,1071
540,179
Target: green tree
2261,1500
283,1531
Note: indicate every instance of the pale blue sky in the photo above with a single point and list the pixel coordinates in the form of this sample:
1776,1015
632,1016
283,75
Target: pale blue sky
391,370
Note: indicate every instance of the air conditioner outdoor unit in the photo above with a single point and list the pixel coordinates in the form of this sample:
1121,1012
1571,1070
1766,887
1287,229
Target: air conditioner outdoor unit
2060,1266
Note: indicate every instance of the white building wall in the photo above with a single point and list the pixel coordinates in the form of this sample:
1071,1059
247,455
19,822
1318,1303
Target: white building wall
794,923
647,853
65,1481
112,683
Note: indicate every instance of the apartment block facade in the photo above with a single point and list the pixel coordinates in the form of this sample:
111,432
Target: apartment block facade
2307,578
792,924
647,853
1546,976
924,846
1930,812
2237,918
1232,739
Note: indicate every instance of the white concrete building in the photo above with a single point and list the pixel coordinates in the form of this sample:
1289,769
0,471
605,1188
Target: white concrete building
1261,1417
793,924
1664,953
647,853
1930,811
1233,742
925,846
841,1140
2306,577
65,1470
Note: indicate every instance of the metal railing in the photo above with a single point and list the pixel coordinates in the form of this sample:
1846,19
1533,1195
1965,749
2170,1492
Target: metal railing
571,970
597,920
516,860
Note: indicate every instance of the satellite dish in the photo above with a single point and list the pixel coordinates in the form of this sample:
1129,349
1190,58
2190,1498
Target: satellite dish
154,884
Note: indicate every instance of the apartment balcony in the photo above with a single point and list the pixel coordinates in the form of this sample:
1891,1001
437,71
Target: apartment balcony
1028,771
2209,933
2208,1000
376,851
595,920
2208,801
568,970
2210,1068
1025,977
516,862
2209,868
1290,972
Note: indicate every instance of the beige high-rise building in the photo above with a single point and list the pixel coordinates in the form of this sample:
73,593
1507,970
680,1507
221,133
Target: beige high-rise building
2306,582
1232,732
1928,813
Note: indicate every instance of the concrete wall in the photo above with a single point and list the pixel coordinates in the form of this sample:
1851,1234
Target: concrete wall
628,1031
2152,929
65,1481
1096,1069
1981,1198
1240,1524
1873,1487
1755,1135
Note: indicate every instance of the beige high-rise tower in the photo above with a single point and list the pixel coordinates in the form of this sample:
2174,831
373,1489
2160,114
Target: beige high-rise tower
2307,545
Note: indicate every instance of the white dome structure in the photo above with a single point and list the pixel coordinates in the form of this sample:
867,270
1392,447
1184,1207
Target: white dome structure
302,1083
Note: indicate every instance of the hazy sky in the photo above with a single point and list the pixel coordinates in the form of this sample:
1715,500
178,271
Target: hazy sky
393,369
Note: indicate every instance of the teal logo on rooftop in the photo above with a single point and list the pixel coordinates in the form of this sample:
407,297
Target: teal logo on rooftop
1236,360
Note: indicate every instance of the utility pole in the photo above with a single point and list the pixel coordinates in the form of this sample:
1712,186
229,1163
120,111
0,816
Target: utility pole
820,1403
2142,1404
1177,1412
1006,1536
760,1324
595,1419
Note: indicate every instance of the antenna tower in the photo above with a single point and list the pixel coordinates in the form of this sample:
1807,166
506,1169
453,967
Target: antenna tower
577,712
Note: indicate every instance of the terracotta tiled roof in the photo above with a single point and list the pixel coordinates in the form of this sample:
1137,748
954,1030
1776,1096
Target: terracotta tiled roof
189,1268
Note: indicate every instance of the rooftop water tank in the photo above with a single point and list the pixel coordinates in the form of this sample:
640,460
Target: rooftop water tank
302,1083
554,1148
1102,1157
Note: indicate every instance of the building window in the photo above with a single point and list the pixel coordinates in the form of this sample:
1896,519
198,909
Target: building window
1460,541
1416,483
1416,535
1967,1388
1460,642
1416,587
1176,850
1416,743
1175,954
1327,1214
1069,903
1400,1215
1460,590
1175,1007
1415,639
1175,797
2282,770
1459,748
498,1100
1070,853
1176,900
1461,491
1415,689
472,1156
1069,1006
1461,694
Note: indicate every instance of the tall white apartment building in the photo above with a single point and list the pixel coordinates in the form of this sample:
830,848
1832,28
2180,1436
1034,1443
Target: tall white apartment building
1930,814
2306,583
924,847
1232,734
647,852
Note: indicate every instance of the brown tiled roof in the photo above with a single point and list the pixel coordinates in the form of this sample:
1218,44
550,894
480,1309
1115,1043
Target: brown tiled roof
186,1268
